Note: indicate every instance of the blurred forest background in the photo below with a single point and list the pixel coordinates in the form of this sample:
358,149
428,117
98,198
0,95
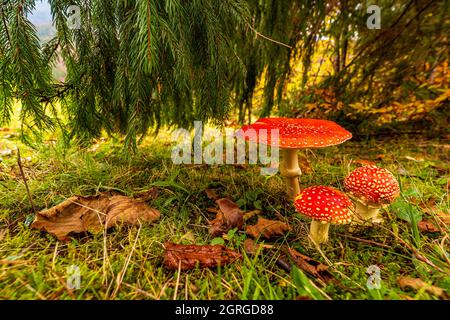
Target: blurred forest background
132,67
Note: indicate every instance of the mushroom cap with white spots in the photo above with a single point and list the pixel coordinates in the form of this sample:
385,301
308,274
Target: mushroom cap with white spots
373,185
296,133
325,204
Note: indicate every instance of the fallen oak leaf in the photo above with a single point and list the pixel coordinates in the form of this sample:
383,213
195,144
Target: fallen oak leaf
231,211
188,257
309,265
418,284
91,214
228,217
427,226
267,228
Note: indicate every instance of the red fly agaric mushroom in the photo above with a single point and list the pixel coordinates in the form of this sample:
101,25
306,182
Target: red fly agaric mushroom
324,205
372,187
296,134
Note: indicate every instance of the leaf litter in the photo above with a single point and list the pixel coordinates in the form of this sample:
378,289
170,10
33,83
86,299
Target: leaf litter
289,257
92,214
418,284
228,216
185,257
267,228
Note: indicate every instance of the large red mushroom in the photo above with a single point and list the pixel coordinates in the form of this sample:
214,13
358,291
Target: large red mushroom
296,134
372,187
324,205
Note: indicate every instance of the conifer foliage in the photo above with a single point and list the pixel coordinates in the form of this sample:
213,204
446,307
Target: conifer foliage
131,65
25,74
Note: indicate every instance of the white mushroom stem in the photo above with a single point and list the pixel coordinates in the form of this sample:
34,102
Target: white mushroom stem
291,171
366,213
319,231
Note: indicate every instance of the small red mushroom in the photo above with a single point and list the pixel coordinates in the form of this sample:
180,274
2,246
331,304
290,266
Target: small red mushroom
372,187
296,134
324,205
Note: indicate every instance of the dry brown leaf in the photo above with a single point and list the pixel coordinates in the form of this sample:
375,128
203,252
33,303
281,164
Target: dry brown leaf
427,226
228,217
218,226
251,247
309,265
188,257
289,255
80,214
211,194
418,284
267,228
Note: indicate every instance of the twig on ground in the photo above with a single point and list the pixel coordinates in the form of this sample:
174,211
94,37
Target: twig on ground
19,162
125,266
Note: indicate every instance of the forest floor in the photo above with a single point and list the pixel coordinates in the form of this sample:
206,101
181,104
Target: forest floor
34,265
